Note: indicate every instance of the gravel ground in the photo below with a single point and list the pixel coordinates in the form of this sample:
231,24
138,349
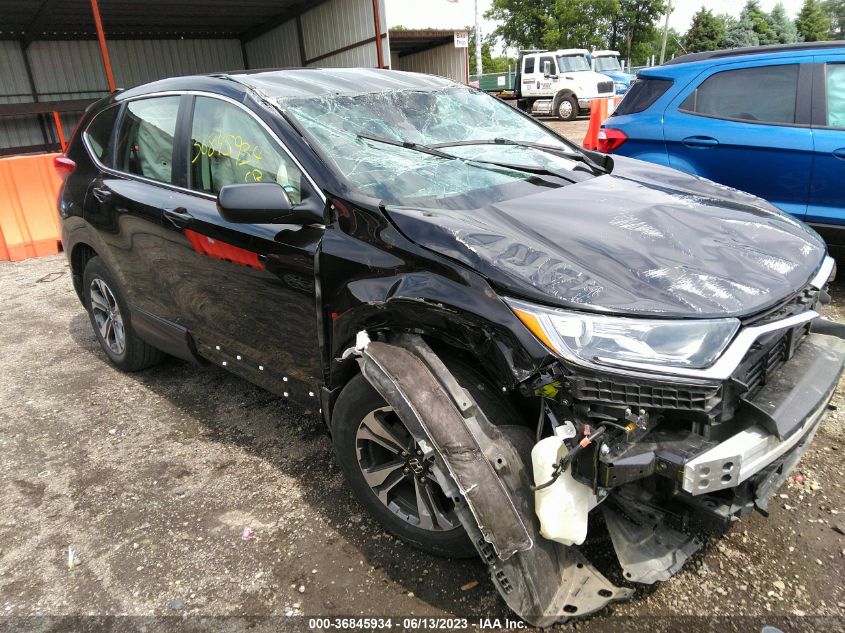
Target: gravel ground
152,478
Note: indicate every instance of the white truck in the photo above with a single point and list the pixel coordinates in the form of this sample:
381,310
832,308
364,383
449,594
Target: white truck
559,83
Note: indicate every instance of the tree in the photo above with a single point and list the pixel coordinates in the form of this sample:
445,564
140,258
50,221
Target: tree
812,22
784,28
521,24
835,10
635,22
627,25
742,33
580,24
489,64
706,33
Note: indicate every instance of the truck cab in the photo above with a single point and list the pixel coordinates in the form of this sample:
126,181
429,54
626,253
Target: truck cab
607,63
559,83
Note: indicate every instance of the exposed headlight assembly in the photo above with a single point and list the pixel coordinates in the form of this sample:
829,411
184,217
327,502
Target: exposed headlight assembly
593,338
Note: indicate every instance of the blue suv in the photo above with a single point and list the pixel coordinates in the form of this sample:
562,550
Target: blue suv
768,120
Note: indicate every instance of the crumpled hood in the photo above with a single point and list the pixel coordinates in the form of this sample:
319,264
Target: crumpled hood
645,240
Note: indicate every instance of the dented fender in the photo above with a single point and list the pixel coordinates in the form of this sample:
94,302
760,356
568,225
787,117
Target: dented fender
487,471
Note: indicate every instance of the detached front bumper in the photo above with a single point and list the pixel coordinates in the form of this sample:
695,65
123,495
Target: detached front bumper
785,413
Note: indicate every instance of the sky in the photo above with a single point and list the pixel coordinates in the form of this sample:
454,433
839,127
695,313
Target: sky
418,14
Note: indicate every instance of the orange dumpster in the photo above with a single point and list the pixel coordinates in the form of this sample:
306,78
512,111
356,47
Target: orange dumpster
29,221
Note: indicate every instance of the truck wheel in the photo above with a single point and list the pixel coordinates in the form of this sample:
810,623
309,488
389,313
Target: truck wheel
567,109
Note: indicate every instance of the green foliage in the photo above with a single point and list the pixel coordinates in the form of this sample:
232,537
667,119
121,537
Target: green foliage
785,30
624,25
489,64
835,10
706,33
580,24
812,22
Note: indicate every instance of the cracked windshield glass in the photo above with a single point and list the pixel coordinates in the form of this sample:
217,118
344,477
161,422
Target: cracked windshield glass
428,118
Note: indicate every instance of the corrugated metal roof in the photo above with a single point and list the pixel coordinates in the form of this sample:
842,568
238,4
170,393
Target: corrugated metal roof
72,19
306,82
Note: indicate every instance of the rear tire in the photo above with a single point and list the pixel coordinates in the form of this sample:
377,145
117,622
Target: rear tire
111,320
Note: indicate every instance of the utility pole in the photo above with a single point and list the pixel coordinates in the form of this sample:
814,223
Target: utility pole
478,67
665,31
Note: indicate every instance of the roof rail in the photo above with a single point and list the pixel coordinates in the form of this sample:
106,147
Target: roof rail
753,50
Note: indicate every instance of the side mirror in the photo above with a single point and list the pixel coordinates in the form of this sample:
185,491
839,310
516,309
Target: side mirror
263,203
547,68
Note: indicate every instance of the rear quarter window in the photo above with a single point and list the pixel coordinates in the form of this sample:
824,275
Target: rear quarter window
98,134
641,95
766,94
529,65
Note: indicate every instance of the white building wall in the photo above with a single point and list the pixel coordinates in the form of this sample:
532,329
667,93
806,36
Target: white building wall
445,61
326,28
278,48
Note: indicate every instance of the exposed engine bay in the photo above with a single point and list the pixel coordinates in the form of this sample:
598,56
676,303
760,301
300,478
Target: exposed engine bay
665,462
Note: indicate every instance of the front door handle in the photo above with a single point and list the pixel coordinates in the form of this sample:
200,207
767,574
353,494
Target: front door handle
839,153
101,194
178,217
700,141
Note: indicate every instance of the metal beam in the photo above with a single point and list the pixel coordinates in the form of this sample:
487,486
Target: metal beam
377,24
104,49
36,24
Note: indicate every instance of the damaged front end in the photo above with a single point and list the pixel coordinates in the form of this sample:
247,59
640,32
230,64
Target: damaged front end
665,457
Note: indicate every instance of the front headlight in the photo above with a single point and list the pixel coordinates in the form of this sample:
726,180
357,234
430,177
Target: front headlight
619,85
580,336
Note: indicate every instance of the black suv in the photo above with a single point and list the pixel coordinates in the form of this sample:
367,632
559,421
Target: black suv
501,330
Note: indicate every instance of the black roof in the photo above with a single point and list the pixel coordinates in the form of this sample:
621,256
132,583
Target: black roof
297,82
753,50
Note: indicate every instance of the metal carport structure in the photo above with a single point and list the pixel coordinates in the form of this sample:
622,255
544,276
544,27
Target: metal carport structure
54,59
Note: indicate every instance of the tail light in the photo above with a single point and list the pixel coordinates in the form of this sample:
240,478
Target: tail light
64,166
610,139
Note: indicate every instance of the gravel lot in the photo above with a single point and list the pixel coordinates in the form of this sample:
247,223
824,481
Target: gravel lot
152,478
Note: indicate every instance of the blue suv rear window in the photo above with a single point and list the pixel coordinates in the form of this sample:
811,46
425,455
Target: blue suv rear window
641,94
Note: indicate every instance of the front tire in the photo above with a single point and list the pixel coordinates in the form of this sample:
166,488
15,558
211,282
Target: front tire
567,109
379,459
111,320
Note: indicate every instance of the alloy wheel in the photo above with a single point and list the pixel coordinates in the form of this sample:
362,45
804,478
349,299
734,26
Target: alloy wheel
107,316
565,109
398,474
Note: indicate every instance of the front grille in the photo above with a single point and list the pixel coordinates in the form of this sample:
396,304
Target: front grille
766,357
806,299
635,394
770,352
605,86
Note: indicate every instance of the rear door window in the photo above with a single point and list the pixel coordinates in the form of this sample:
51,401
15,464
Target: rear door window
528,66
835,83
765,94
229,146
145,139
99,132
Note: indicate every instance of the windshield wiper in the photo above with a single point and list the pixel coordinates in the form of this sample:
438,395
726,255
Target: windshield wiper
433,151
551,149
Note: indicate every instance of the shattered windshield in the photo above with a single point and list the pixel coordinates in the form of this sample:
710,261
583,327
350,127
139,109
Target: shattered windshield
336,123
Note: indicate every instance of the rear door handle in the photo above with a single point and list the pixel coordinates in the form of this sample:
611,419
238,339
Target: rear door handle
178,217
700,141
839,153
101,194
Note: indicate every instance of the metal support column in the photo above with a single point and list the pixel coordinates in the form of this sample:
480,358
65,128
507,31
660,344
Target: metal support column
104,50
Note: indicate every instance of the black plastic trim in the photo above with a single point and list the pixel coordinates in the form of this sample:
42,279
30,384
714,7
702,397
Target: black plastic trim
171,338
